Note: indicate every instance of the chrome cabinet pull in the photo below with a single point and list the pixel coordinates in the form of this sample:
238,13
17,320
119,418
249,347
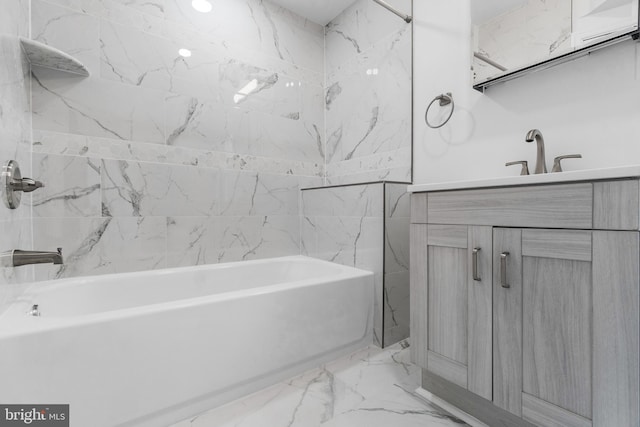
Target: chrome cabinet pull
474,262
503,270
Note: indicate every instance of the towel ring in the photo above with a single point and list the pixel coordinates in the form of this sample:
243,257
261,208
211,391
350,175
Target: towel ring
445,99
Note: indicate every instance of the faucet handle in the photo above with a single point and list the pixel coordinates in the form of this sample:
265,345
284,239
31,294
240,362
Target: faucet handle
525,166
557,167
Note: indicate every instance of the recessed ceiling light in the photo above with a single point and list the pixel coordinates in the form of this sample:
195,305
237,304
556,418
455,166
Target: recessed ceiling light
184,52
202,6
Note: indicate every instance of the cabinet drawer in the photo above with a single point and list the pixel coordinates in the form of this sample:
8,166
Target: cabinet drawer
547,206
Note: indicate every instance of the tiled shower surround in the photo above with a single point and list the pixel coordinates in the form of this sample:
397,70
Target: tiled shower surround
365,226
368,98
15,136
159,160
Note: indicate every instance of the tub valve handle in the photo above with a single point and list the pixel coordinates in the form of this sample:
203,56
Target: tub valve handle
15,184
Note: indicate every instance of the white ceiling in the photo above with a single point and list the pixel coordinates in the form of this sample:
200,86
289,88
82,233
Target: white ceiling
319,11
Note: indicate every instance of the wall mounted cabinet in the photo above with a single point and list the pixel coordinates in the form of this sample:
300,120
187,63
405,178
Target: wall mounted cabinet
525,302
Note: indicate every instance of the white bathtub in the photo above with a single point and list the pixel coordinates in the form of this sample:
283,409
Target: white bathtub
152,348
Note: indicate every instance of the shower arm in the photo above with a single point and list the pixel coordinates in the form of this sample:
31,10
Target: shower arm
407,18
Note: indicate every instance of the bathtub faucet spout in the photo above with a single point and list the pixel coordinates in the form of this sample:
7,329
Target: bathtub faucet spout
17,257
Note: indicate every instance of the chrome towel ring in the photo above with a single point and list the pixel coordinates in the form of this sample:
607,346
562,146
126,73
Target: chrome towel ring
444,100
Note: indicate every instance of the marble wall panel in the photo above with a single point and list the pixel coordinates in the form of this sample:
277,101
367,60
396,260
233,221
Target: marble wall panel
346,225
368,95
396,263
252,193
200,124
101,245
396,307
72,186
96,107
348,201
15,137
252,237
51,25
193,240
159,160
365,226
359,28
162,160
149,189
46,142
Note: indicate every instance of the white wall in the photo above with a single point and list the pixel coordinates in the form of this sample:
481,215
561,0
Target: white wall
590,105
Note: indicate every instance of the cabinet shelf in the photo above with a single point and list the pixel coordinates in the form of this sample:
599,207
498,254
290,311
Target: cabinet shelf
42,55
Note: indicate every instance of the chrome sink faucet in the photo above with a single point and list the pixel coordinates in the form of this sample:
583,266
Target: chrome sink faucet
541,164
16,258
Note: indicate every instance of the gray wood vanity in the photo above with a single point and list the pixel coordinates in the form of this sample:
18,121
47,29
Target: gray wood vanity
525,299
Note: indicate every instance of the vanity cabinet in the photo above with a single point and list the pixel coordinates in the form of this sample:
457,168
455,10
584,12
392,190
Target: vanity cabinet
525,302
458,299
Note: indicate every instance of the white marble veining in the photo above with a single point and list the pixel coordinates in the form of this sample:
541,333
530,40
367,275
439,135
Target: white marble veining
359,28
548,178
200,158
344,225
72,186
368,95
214,147
147,189
15,133
385,166
250,193
253,237
101,245
57,26
396,263
355,201
365,226
96,107
371,387
47,142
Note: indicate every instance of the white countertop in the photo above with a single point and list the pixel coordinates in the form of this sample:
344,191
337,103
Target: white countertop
547,178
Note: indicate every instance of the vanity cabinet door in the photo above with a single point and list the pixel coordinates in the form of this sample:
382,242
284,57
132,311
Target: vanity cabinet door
557,304
543,334
458,306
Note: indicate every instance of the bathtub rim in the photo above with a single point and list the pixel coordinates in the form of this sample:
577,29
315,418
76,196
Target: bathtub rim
15,322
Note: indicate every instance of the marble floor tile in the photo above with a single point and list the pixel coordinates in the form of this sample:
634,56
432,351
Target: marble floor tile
369,388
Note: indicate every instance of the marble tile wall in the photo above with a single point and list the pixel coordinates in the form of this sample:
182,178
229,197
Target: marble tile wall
396,263
345,225
365,226
368,95
160,160
15,136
